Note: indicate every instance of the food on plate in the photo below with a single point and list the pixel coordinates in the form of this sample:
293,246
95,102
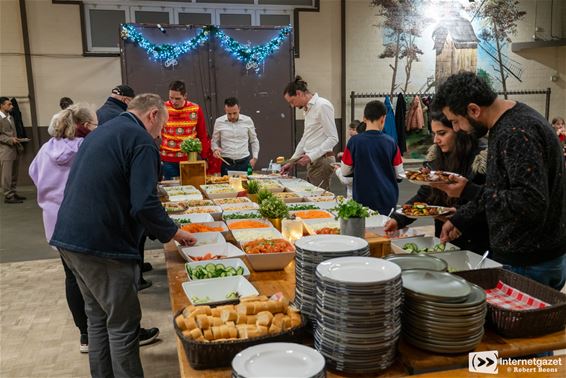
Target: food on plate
328,231
312,214
247,224
302,207
173,207
196,203
232,295
197,300
420,209
426,175
244,206
182,220
267,246
253,317
202,209
217,179
218,188
223,201
242,216
200,227
212,271
208,256
414,248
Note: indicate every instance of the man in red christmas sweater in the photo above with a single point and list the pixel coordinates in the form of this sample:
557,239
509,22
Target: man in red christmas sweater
186,120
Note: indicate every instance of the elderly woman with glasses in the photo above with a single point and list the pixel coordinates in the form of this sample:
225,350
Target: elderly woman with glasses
49,172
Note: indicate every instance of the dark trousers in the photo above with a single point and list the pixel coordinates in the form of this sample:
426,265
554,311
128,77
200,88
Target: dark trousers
235,165
109,288
141,248
75,300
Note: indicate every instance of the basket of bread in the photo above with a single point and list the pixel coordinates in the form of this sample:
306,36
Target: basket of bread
212,336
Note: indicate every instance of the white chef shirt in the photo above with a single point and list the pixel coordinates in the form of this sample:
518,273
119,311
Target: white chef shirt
320,135
235,137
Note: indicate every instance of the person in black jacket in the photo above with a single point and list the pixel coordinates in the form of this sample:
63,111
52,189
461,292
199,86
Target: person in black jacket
106,207
459,153
524,196
115,104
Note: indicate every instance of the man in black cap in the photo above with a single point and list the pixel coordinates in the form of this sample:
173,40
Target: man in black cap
115,104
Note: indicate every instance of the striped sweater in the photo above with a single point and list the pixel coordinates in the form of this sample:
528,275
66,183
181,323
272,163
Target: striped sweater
186,122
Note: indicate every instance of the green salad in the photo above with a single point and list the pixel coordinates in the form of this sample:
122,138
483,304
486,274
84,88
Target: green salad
211,270
302,207
242,216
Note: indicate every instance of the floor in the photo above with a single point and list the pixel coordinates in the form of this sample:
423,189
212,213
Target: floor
37,335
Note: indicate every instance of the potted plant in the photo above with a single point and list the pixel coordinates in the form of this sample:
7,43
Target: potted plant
263,194
253,189
192,147
273,209
352,217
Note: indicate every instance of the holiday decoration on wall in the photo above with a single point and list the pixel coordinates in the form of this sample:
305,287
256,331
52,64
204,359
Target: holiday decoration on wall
252,56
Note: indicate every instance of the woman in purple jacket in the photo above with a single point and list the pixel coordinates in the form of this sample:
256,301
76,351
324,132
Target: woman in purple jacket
49,172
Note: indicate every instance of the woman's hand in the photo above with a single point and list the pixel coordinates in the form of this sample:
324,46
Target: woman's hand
449,232
391,225
185,238
454,189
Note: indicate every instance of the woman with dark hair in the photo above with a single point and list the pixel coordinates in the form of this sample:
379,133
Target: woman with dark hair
455,152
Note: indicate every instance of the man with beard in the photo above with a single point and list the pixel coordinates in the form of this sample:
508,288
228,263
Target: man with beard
524,196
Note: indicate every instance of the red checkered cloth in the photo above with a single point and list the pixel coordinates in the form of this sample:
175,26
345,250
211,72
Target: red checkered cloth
508,297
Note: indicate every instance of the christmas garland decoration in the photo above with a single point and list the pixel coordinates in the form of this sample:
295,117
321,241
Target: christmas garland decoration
252,56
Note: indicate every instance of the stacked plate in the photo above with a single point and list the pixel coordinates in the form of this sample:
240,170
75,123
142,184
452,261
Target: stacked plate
278,360
358,307
311,251
442,313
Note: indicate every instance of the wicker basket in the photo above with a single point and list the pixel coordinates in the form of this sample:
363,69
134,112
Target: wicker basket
526,323
220,354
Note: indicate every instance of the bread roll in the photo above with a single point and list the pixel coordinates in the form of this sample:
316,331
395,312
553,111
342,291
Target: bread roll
274,329
216,312
187,311
278,320
251,319
201,310
225,331
230,324
259,307
264,318
262,330
233,331
242,319
274,307
187,334
253,333
207,333
190,323
246,308
180,321
254,298
217,332
288,324
228,315
215,321
196,333
202,321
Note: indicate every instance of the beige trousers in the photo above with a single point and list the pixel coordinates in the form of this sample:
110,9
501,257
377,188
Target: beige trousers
320,171
9,176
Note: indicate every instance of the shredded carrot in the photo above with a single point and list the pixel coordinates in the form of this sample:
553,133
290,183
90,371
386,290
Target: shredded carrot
199,227
247,224
312,214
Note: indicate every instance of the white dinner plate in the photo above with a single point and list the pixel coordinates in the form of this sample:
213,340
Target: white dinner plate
358,270
436,284
331,243
278,360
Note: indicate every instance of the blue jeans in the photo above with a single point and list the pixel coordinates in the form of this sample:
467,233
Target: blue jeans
550,273
171,170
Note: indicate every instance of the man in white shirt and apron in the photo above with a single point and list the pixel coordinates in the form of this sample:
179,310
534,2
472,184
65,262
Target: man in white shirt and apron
319,137
232,137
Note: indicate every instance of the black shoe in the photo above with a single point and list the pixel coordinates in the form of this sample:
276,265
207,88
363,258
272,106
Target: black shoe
12,200
146,267
148,336
16,196
144,284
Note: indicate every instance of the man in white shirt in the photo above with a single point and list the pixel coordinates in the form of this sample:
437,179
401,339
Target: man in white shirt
319,137
10,151
232,137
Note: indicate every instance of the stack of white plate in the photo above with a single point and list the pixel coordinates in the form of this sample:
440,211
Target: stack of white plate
358,307
442,313
311,251
278,360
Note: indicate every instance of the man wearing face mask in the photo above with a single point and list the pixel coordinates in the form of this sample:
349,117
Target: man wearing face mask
524,196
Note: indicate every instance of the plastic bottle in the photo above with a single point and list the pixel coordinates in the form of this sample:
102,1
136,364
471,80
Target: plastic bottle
250,169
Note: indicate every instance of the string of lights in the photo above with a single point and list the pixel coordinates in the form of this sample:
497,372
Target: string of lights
168,54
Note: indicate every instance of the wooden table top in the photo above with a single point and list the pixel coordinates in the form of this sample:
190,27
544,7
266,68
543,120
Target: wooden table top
411,359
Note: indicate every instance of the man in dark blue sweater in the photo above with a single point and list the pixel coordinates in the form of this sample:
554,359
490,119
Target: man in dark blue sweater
116,104
109,200
524,196
374,159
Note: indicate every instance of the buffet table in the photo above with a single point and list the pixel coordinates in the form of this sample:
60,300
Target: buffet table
411,360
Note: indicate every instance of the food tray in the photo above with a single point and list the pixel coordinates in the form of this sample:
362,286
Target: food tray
260,220
313,225
526,323
214,191
214,211
464,260
228,213
229,250
211,224
243,236
228,263
421,242
296,213
240,206
220,354
194,218
271,185
217,289
186,197
289,197
231,201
